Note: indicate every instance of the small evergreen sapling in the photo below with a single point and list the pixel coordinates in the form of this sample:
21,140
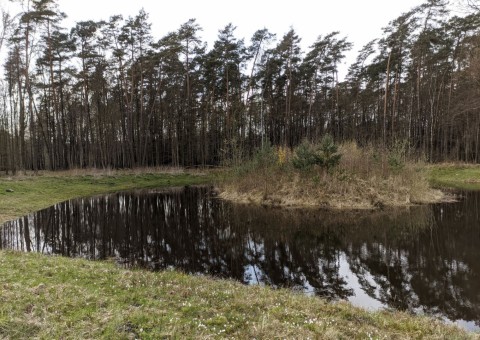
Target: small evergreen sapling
328,156
324,155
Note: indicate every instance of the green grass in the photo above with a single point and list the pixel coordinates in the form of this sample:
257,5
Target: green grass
463,176
31,193
51,297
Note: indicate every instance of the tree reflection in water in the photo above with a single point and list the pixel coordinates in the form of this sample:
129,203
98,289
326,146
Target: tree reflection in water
416,259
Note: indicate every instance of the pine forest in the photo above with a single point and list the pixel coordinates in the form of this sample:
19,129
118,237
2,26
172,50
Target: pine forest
108,94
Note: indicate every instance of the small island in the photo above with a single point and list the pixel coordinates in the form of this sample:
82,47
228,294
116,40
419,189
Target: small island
329,176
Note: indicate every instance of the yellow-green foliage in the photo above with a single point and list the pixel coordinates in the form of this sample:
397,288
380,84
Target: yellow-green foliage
284,155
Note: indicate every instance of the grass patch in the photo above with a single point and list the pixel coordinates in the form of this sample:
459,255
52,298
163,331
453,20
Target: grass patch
25,193
457,176
55,297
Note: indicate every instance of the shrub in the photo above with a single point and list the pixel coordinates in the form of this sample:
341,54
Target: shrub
305,156
232,153
397,155
283,155
324,155
265,156
329,158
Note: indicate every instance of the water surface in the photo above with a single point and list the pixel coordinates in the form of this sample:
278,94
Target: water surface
419,259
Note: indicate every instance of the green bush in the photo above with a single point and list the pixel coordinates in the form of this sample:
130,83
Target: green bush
397,155
265,156
324,155
262,158
305,156
328,153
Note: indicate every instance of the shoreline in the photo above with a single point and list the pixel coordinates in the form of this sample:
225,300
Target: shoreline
330,201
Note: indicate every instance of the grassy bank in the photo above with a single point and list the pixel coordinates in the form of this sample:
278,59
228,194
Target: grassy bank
25,193
53,297
456,176
361,178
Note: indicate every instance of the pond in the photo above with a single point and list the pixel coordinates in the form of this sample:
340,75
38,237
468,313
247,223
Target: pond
422,259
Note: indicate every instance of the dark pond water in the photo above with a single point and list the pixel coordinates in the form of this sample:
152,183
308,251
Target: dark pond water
421,259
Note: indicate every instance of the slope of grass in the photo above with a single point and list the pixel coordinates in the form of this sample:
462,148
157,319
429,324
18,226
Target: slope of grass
34,192
457,176
53,297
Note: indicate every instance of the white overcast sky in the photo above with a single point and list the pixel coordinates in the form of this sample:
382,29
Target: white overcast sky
359,20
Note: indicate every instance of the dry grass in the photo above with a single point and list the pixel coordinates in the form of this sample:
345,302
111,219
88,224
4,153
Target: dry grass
364,179
100,172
